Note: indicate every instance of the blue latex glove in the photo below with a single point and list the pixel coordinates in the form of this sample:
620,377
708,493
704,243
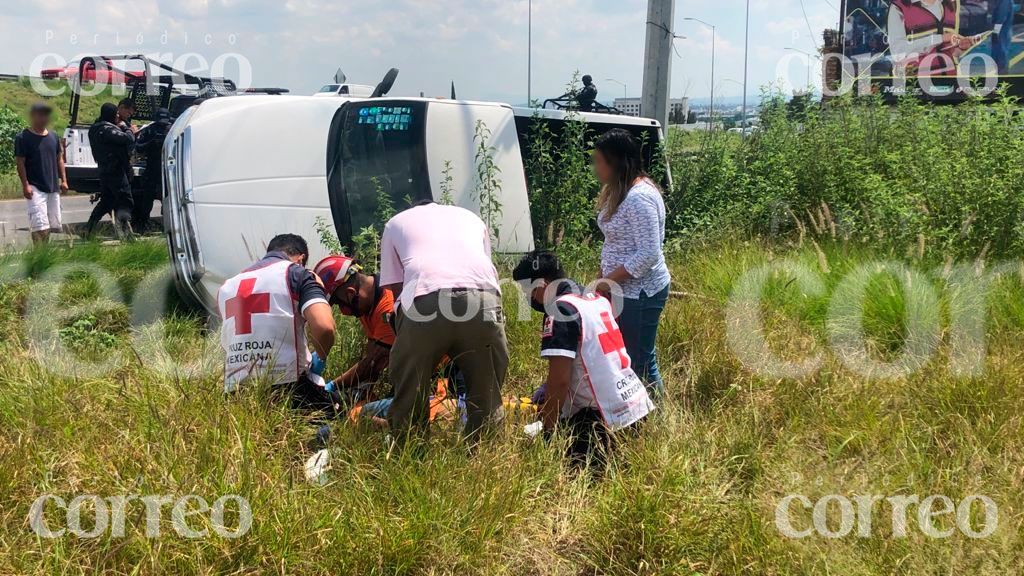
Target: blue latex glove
316,365
540,395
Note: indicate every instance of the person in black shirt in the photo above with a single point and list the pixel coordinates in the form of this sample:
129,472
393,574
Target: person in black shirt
112,141
150,144
40,160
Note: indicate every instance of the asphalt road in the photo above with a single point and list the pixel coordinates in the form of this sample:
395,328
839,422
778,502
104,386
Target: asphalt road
75,211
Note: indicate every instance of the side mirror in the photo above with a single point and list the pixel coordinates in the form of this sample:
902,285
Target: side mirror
385,85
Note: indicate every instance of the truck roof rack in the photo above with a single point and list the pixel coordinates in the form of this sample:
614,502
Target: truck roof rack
150,90
570,102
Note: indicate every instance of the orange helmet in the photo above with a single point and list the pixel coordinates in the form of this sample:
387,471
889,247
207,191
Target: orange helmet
335,271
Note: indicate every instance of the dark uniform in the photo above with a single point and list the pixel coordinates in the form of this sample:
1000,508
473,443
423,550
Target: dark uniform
588,95
112,148
150,144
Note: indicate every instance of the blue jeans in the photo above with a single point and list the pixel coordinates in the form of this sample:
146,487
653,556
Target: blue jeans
1002,13
639,325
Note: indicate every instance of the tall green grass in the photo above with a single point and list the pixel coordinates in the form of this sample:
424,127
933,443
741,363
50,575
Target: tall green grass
695,493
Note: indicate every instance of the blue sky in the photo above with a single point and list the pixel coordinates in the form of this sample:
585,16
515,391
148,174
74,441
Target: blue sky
480,44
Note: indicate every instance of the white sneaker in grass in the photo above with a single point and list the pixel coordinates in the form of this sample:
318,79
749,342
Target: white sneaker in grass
317,467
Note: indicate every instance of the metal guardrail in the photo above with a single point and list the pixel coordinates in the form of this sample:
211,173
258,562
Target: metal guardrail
9,77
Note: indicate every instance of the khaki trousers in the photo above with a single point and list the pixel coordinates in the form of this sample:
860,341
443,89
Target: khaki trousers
468,326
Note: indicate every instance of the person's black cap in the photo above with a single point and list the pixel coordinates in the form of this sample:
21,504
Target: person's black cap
41,108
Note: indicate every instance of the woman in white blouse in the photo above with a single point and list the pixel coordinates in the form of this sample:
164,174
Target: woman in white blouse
631,214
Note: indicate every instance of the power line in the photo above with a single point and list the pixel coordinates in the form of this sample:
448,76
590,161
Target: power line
669,33
808,22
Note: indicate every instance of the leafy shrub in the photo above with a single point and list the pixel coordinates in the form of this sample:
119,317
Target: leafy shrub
911,177
488,186
561,184
10,124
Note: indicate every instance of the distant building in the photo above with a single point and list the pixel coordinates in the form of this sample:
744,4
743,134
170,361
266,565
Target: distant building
679,110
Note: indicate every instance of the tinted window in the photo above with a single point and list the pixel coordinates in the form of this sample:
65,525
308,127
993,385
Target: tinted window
375,149
648,135
329,88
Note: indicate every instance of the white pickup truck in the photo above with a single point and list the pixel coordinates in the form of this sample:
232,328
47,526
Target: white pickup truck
240,170
149,85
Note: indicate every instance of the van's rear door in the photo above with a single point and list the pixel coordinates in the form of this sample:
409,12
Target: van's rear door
375,150
411,150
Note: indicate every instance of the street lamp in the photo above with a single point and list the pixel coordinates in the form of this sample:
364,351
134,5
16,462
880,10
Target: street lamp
736,82
742,87
746,57
809,56
711,115
625,89
529,54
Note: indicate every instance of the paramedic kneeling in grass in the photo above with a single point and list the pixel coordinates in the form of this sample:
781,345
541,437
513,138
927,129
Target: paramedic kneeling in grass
591,389
265,310
361,296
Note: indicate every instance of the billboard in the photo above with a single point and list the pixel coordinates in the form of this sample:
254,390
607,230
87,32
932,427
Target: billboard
939,49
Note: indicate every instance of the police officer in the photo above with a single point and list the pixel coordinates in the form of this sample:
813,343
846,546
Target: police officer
112,141
265,310
591,389
149,143
588,94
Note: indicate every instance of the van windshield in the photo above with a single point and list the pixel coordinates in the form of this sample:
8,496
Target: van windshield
376,151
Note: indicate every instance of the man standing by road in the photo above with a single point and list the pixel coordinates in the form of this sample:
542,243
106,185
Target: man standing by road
112,140
265,310
436,260
40,159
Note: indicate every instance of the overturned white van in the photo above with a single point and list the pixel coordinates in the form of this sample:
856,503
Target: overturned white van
240,170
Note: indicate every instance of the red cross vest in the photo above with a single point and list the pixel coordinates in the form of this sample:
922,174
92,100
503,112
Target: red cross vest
263,334
620,395
920,22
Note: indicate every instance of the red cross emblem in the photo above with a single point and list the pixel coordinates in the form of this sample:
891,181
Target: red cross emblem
245,304
611,340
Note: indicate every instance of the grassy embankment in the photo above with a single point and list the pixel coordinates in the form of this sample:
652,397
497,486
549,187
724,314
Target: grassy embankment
19,95
695,495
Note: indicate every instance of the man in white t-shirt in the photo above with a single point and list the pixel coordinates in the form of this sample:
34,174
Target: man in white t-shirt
436,260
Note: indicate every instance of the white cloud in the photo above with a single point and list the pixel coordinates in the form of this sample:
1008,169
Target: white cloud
481,44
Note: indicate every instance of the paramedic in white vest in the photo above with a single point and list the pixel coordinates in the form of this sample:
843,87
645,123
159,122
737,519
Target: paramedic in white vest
265,312
591,389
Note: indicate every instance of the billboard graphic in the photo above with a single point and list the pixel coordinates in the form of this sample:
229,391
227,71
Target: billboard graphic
937,48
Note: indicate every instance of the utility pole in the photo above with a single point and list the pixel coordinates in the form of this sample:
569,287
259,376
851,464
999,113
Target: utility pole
658,60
